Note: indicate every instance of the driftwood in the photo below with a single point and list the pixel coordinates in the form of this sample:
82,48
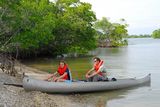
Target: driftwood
13,84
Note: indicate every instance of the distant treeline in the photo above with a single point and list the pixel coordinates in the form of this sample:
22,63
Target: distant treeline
155,34
139,36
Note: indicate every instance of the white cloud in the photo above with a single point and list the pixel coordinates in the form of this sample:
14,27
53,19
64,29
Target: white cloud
142,15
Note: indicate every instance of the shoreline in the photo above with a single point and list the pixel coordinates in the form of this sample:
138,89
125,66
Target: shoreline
12,96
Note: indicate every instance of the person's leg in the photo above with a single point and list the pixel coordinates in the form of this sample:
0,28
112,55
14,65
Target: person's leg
60,80
98,78
89,79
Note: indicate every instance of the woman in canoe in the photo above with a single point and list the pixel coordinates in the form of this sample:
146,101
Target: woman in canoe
62,73
98,72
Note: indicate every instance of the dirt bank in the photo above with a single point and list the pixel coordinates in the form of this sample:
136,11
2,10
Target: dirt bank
11,96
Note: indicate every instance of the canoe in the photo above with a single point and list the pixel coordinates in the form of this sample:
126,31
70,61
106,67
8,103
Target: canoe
31,84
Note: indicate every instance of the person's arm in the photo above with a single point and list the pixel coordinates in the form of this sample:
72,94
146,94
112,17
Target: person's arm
88,73
99,70
62,76
94,73
92,69
50,76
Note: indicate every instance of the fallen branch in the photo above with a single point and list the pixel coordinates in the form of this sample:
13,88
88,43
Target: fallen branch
12,84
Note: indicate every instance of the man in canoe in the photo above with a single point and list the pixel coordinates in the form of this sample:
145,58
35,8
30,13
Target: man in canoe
98,72
62,73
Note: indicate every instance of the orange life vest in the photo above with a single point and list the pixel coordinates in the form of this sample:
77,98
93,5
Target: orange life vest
97,66
61,71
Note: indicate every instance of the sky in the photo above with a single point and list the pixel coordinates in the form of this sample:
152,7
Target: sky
143,16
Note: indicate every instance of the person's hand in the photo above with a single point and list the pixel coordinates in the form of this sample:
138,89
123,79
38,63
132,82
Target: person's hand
55,79
87,76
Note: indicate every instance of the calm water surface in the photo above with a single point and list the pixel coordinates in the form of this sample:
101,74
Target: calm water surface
140,58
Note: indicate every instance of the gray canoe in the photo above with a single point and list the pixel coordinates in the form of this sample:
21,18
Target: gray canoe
30,84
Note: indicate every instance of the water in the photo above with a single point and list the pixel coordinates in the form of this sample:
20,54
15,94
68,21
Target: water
138,59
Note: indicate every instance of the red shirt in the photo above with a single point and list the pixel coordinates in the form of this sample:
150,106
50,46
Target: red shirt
97,66
61,71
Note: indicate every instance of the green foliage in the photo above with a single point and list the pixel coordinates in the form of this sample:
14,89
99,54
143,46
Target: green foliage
74,32
156,34
37,20
43,27
113,34
9,20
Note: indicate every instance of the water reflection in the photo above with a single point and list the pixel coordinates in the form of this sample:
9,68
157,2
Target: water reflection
102,99
96,99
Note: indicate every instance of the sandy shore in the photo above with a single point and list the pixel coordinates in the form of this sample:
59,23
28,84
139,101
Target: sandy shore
11,96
